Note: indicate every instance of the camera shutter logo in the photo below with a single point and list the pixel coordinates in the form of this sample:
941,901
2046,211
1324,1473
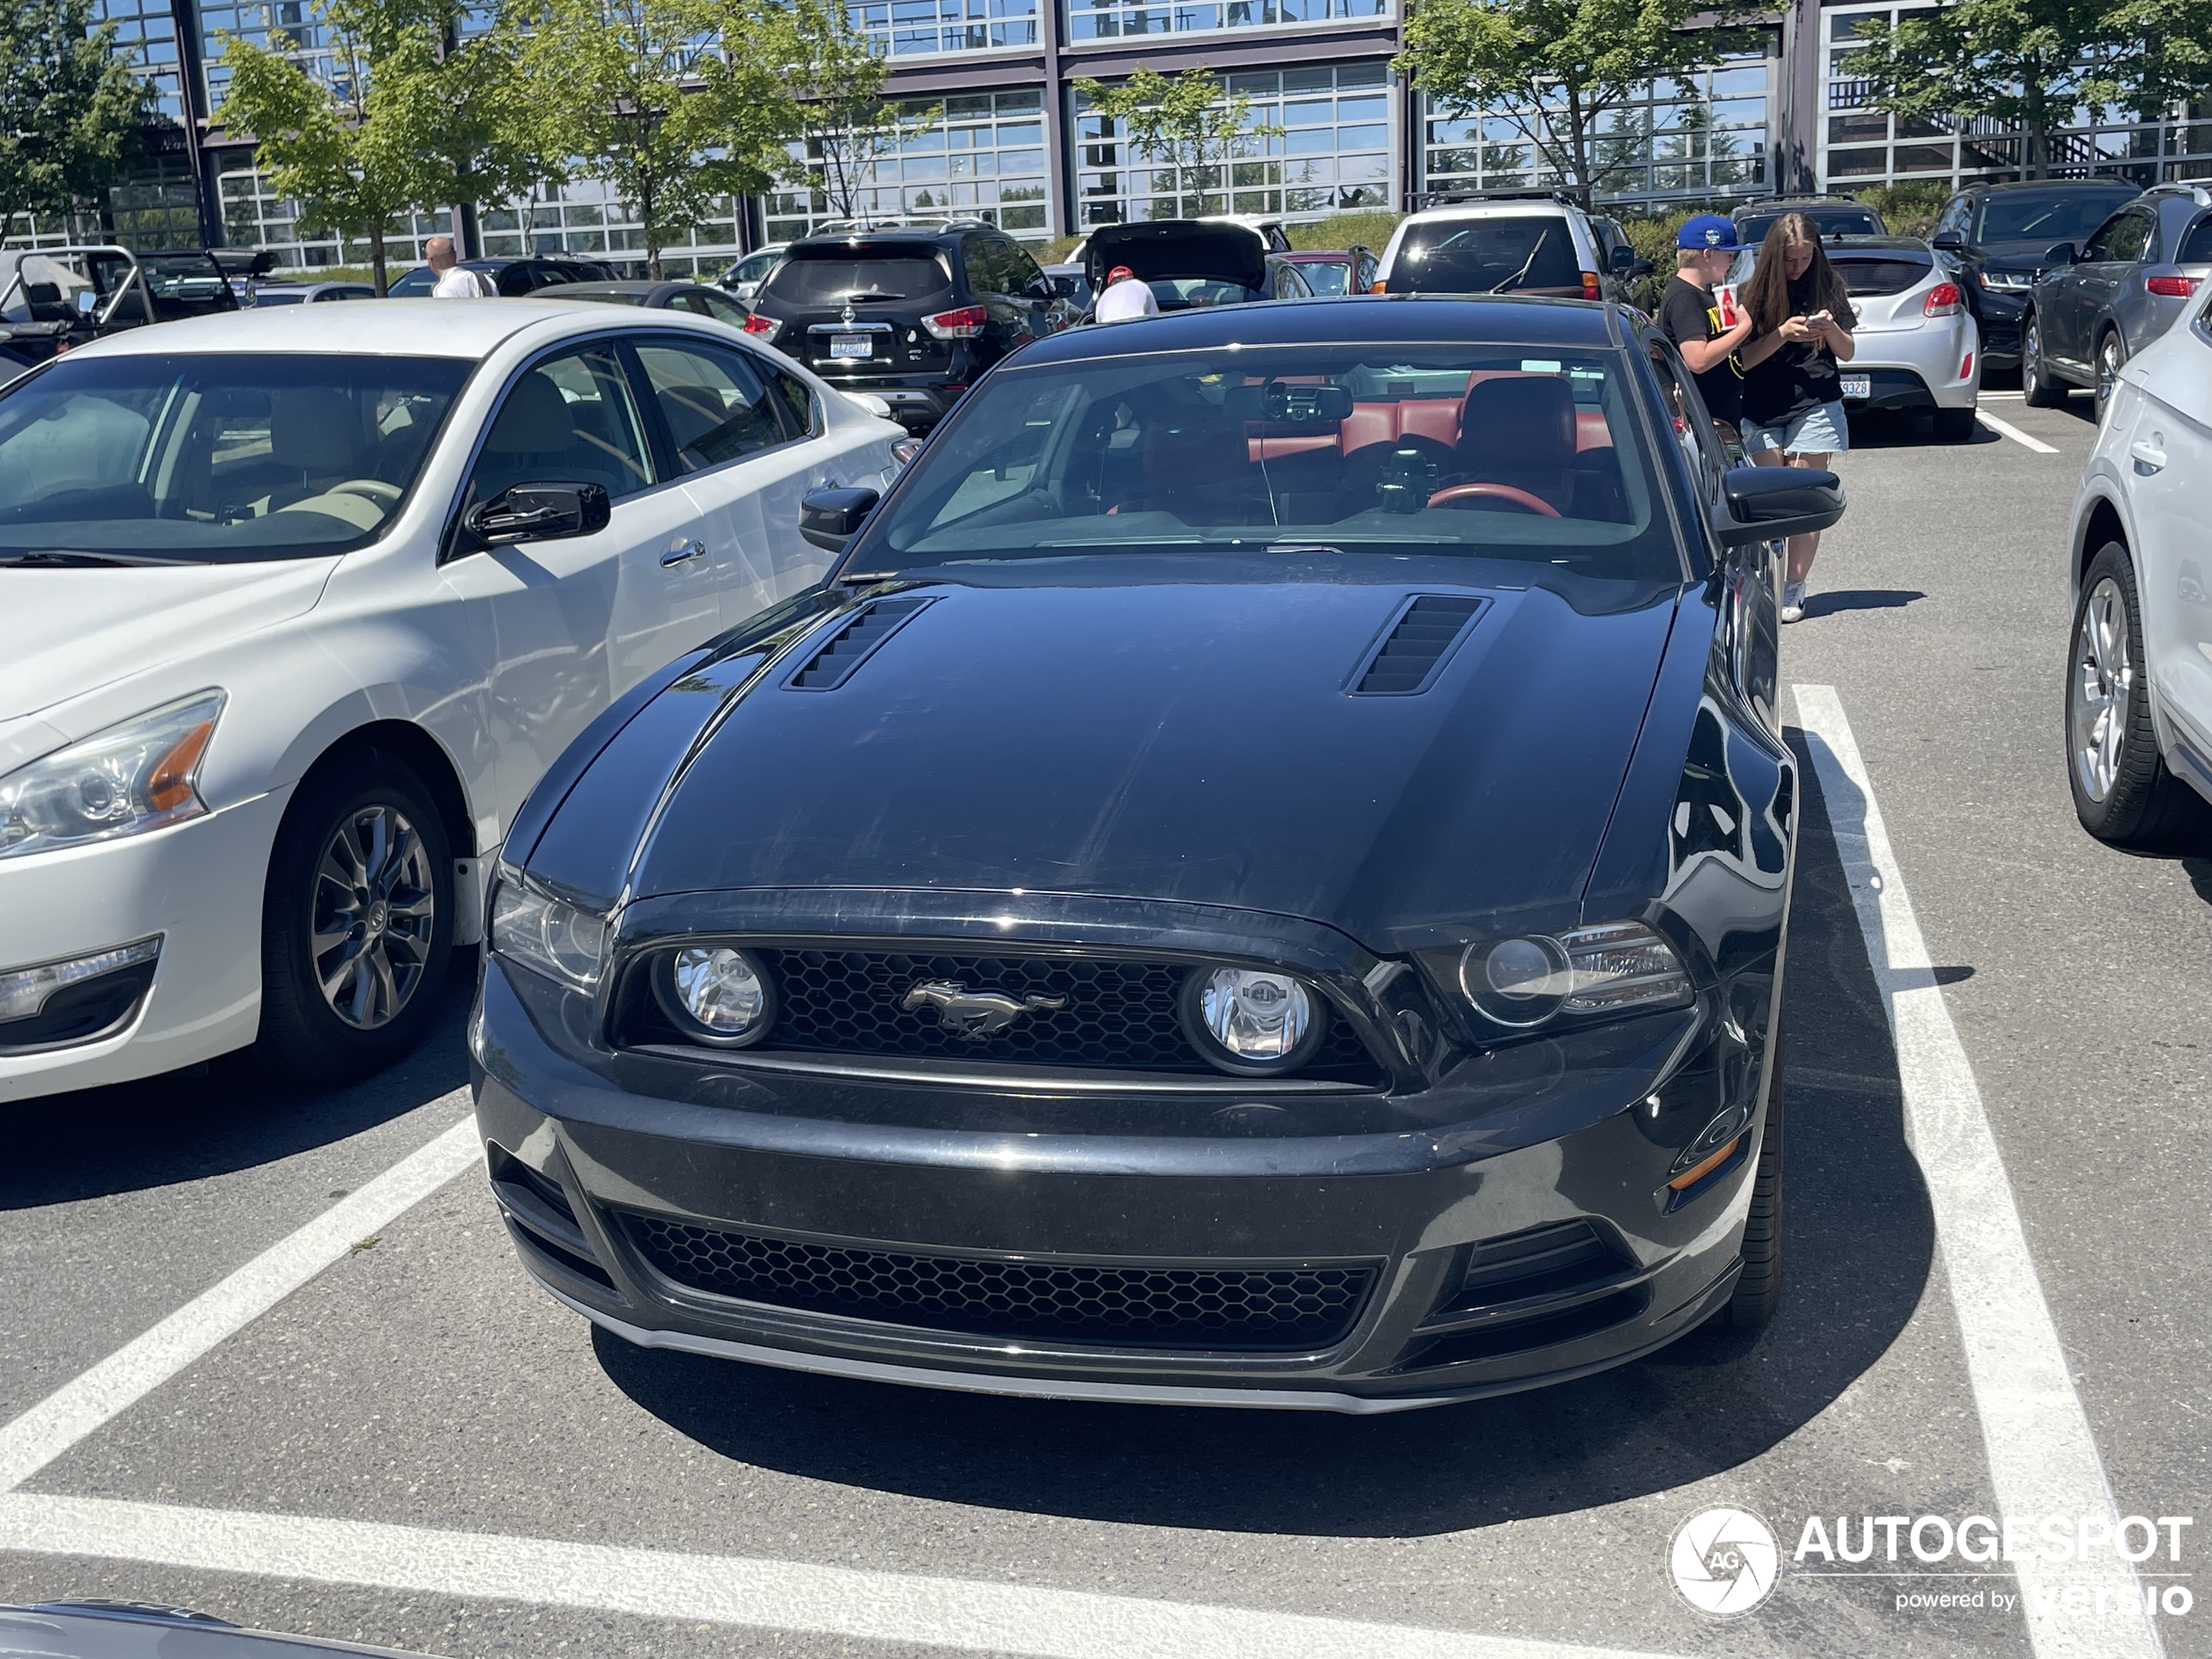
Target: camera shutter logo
1724,1561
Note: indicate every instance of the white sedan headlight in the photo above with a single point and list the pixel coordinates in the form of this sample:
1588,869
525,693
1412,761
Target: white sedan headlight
137,776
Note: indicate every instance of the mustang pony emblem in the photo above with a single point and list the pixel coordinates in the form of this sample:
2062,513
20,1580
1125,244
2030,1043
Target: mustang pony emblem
973,1014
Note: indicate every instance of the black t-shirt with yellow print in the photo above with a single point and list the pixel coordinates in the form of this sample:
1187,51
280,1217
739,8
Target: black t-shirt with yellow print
1688,312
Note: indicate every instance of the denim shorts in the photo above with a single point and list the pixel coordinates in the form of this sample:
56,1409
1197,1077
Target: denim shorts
1814,431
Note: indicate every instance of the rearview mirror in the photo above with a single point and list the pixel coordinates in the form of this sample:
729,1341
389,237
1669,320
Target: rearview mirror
1766,503
1287,402
548,512
2058,254
830,518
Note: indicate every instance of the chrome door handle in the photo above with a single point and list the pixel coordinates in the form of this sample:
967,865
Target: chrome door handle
2146,455
691,550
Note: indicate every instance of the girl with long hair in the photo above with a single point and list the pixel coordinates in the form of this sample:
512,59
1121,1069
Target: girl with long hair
1801,329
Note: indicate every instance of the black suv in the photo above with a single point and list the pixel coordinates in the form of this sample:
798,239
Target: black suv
1996,235
911,314
512,277
1832,216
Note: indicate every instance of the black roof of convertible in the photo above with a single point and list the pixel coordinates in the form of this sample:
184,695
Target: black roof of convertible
1392,319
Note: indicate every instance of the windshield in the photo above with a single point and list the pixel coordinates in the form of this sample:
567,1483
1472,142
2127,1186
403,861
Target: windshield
2062,216
1184,293
1329,276
1534,254
752,267
279,296
882,274
1892,274
1751,229
206,459
1490,451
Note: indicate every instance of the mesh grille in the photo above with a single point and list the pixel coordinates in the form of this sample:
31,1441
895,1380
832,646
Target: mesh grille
1115,1014
1287,1308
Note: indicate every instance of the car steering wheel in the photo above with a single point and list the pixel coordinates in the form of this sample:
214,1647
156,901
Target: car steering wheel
1453,495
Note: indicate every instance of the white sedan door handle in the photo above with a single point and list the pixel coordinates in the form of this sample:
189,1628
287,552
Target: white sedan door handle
691,550
2146,455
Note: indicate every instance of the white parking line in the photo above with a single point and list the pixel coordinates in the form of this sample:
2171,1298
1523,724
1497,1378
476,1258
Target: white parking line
2043,1459
723,1590
80,1406
2013,432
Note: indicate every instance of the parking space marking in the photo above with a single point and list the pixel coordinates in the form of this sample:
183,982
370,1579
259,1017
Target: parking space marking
80,1406
2013,432
851,1602
2043,1459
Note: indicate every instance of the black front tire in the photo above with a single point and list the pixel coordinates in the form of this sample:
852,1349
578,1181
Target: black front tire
1954,425
2123,792
304,1038
1757,1296
2037,388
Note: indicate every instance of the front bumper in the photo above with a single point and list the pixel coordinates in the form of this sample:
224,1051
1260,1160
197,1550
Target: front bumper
199,886
1534,1241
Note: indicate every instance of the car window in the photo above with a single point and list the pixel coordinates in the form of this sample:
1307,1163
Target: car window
1520,254
1953,217
798,400
1686,412
1291,283
989,269
752,267
2034,216
515,280
707,303
2123,238
1024,273
874,273
716,408
2196,243
1892,274
568,420
212,458
1487,451
1326,278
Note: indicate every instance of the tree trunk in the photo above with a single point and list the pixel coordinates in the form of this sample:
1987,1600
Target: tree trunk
649,226
1578,139
2038,157
376,257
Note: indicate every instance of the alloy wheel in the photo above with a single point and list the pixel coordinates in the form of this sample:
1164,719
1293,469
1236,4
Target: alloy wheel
2110,358
374,915
2103,681
2031,359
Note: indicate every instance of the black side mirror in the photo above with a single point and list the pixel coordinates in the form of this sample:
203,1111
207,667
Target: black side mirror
830,518
2058,254
1948,242
539,513
1040,290
1620,260
1766,503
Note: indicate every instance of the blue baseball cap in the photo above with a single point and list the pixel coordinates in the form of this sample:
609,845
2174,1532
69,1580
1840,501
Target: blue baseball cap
1707,230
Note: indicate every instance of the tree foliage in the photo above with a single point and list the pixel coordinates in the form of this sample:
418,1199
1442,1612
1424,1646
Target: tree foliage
70,109
1182,121
839,116
1554,69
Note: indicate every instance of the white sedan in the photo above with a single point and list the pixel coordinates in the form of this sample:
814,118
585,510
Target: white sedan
294,610
2139,676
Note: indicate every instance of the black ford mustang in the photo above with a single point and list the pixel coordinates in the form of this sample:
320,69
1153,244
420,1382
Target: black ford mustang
1260,878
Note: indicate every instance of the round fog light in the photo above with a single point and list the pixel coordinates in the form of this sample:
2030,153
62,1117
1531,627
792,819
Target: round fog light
717,995
1247,1021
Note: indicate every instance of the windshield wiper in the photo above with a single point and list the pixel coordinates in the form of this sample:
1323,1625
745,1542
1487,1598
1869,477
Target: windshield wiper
68,556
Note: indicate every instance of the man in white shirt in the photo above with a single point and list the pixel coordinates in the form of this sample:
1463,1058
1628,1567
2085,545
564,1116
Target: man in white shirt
1126,299
455,281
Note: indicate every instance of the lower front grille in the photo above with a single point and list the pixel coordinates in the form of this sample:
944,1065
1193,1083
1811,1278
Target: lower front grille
1277,1309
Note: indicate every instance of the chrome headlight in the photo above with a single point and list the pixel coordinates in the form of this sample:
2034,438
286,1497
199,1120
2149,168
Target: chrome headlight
1612,967
1247,1021
2009,281
716,994
137,776
548,935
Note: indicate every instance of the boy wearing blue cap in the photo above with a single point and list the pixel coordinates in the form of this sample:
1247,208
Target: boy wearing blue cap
1704,248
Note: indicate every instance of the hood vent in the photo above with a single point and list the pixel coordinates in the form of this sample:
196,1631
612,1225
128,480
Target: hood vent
1417,646
854,644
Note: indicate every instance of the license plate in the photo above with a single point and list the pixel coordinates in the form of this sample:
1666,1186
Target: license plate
850,345
1860,386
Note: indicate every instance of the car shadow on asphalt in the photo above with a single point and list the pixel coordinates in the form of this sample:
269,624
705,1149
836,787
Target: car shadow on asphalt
1827,605
1859,1237
189,1125
1888,429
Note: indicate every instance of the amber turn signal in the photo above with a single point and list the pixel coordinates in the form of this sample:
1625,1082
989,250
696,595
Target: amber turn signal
1697,1172
171,785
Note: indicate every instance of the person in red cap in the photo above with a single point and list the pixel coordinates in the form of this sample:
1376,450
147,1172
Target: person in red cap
1126,298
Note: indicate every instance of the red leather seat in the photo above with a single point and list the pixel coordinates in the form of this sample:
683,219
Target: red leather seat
1520,431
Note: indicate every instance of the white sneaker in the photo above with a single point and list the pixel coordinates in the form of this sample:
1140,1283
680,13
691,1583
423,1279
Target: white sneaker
1793,601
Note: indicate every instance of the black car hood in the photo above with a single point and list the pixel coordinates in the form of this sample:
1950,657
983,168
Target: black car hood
1160,249
1188,741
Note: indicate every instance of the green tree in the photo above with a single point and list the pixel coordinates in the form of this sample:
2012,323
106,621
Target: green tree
841,123
1554,69
1185,122
669,101
69,111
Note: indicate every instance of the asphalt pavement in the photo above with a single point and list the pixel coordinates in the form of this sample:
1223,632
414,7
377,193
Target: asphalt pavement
415,1447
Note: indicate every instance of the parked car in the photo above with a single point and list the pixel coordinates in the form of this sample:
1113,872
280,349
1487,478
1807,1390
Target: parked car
1336,271
513,278
1193,262
1072,284
308,294
54,299
1514,242
2096,306
1273,233
696,298
912,314
2138,675
1997,235
743,279
297,609
1833,215
1919,347
1077,949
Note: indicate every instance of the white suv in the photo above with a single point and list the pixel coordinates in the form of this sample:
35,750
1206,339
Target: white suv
1531,243
2139,676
